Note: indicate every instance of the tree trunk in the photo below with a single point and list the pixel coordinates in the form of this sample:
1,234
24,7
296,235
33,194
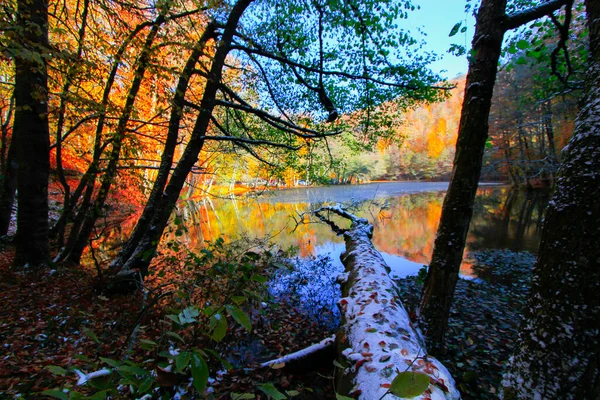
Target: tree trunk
161,210
557,354
376,340
62,108
549,130
31,133
9,188
87,183
457,210
78,238
168,152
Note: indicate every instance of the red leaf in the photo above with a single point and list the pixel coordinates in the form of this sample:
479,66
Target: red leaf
370,368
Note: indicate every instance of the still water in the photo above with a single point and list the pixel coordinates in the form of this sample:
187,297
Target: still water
405,216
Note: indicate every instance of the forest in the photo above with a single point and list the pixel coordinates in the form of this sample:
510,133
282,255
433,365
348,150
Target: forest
273,199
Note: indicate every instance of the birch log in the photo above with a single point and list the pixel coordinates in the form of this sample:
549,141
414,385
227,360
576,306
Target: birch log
376,340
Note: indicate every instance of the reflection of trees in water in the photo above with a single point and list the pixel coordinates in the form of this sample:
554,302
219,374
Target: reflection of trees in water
509,219
408,225
404,225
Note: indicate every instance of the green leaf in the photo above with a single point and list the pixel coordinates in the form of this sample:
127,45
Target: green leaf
102,382
175,336
174,318
409,384
82,357
188,315
455,29
132,370
271,391
292,393
340,397
220,328
258,278
148,342
146,385
96,396
238,299
523,44
110,361
79,396
223,361
56,370
521,61
182,360
55,393
241,396
91,334
281,266
199,372
239,316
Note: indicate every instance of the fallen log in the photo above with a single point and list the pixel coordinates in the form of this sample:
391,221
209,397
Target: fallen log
380,354
307,359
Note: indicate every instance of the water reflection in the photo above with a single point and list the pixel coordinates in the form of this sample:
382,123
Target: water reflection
405,217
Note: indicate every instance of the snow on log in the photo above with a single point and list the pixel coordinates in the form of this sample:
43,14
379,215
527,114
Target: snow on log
302,354
379,351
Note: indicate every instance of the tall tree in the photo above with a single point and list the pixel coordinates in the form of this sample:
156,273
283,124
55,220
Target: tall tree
31,132
299,73
491,24
557,354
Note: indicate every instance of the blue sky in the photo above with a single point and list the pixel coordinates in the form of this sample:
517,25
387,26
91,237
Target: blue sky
436,18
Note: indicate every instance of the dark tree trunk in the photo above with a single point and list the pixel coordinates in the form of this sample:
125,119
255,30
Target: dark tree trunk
549,130
143,225
62,108
86,220
557,354
31,133
9,188
88,181
457,210
161,211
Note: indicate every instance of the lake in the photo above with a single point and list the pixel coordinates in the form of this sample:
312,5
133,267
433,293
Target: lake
405,216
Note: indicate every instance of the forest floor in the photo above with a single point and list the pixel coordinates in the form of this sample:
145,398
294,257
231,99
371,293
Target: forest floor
58,318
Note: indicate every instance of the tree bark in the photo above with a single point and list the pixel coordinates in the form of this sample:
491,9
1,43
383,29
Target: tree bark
557,354
168,153
457,210
9,188
31,133
376,339
80,233
161,211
